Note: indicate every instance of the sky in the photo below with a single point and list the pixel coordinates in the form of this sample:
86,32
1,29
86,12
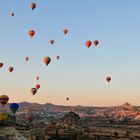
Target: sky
80,72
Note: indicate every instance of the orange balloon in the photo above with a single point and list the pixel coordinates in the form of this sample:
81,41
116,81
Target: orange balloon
31,33
96,42
65,31
47,60
32,6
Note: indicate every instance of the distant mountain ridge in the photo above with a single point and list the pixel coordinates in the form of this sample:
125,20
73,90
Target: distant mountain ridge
50,106
27,104
48,109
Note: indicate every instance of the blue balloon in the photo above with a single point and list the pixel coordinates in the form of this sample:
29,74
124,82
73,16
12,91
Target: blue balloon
14,107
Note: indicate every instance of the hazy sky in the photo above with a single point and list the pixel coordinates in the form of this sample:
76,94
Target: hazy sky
80,72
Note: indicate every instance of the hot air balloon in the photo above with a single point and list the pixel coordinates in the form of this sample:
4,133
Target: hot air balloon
65,31
32,6
4,99
31,33
14,107
51,41
12,14
33,91
88,43
47,60
3,116
57,57
29,117
37,86
10,69
96,42
37,77
26,58
1,65
67,98
108,79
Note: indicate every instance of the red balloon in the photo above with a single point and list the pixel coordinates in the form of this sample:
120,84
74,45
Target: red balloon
1,65
37,77
51,41
10,69
37,86
33,91
108,79
88,43
26,58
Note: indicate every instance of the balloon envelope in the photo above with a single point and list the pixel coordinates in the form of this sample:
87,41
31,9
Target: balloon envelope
4,99
108,79
47,60
31,33
37,86
12,14
37,77
14,107
96,42
51,41
3,116
88,43
1,65
10,69
65,31
32,6
57,57
26,58
33,91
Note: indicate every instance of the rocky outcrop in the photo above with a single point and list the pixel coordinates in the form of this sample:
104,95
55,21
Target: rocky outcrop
10,133
70,118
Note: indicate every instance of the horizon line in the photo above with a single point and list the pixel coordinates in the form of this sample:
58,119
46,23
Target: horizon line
72,105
